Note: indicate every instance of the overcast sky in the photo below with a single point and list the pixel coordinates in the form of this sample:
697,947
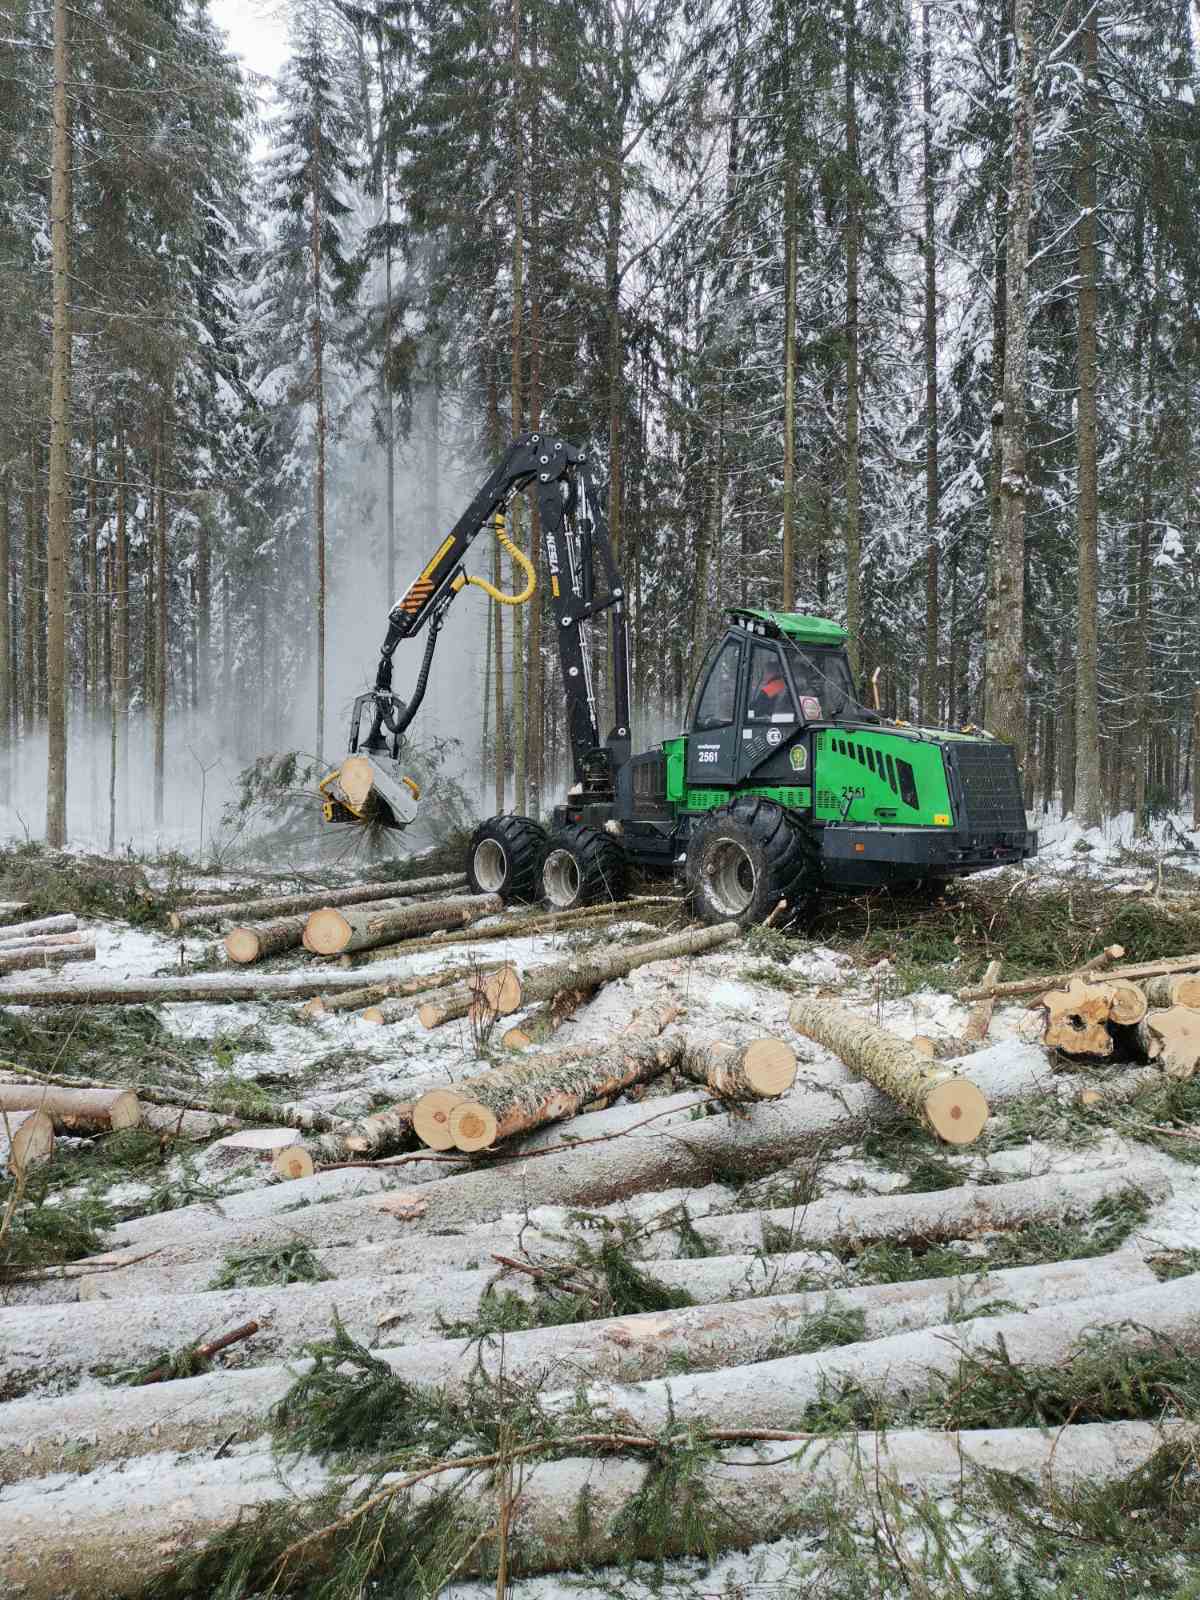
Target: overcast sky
256,31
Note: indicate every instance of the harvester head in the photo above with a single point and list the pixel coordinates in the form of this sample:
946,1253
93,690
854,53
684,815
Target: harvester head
369,787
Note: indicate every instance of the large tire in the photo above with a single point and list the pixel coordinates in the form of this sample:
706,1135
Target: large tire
581,866
504,857
744,858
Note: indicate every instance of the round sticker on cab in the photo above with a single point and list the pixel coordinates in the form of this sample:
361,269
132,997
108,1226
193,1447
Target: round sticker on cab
774,736
799,757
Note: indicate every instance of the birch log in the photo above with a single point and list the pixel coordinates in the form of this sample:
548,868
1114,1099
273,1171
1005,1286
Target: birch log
75,1111
332,931
950,1105
1166,991
26,1137
282,905
765,1492
48,1347
255,941
12,931
21,957
585,971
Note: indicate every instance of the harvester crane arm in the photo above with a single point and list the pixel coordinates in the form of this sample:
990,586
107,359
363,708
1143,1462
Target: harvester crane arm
574,532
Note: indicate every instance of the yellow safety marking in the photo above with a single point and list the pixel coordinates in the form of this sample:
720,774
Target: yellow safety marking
458,582
554,587
941,820
434,564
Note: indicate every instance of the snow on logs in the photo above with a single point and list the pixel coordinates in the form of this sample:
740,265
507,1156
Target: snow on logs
75,1111
20,957
335,931
503,992
950,1105
22,932
287,904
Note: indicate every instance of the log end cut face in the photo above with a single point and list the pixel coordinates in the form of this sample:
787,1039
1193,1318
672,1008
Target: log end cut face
957,1110
431,1117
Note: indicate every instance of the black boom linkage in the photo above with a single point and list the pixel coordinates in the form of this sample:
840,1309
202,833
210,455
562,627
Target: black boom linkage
574,529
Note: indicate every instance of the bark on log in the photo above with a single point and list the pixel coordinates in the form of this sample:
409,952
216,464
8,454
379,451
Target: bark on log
205,1352
282,905
295,1116
521,927
653,1158
761,1070
383,1133
255,941
11,909
36,941
26,1137
765,1493
776,1394
950,1105
21,957
50,1347
1058,980
1166,991
75,1111
67,923
1172,1039
211,987
584,972
545,1020
980,1020
371,994
1075,1019
332,931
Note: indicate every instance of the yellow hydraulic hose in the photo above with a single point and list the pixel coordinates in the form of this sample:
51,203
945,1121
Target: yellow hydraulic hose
522,561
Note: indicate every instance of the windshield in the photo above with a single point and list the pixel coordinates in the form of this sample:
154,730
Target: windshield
823,675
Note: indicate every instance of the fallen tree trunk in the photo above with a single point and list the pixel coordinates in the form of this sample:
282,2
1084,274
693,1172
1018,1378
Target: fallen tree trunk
980,1020
20,957
761,1070
545,1020
332,931
578,972
75,1111
282,905
1059,980
209,986
294,1116
255,941
11,909
48,1347
764,1494
42,941
912,1366
66,923
26,1137
522,926
950,1105
388,988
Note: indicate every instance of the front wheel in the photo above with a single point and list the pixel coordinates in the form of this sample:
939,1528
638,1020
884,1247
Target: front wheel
581,866
503,858
744,858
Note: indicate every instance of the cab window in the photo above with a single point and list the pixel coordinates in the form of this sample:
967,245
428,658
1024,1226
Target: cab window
718,698
770,698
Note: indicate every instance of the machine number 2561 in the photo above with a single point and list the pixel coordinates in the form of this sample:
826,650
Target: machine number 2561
706,756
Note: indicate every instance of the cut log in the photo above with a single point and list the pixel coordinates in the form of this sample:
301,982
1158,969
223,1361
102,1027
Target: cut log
332,930
75,1111
523,927
1075,1019
283,905
980,1020
67,923
760,1070
249,1144
255,941
10,910
545,1020
26,1137
580,972
1137,971
431,1117
212,987
1180,990
1171,1038
21,957
34,941
1127,1003
296,1116
774,1490
387,988
515,1099
950,1105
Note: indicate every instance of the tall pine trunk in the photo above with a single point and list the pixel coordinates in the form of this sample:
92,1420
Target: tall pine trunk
929,679
318,349
1087,796
58,543
6,674
854,617
789,387
1006,668
160,627
520,801
121,645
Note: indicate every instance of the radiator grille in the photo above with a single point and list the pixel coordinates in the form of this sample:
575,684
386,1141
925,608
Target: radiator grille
991,788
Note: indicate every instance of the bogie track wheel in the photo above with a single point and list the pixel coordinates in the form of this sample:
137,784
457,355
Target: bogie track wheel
503,858
744,858
581,866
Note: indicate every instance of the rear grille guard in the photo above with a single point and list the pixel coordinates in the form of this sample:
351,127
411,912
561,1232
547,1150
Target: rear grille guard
989,788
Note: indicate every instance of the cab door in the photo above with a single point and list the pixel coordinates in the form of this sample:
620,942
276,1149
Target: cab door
770,717
714,734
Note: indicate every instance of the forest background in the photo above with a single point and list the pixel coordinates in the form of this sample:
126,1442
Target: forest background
885,311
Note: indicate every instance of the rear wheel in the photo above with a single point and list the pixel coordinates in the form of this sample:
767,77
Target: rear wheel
503,858
580,866
744,858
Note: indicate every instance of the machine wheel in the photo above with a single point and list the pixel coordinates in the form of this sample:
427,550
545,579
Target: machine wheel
744,858
503,858
581,865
